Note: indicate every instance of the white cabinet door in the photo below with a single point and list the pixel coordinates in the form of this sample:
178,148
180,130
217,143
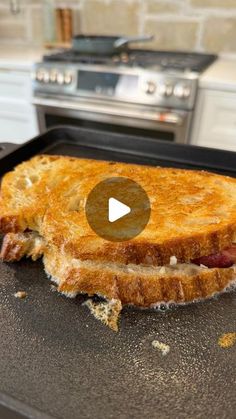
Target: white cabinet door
215,120
15,85
18,122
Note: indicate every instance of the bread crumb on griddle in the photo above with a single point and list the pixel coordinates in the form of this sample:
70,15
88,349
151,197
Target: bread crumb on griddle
20,294
106,311
165,349
227,340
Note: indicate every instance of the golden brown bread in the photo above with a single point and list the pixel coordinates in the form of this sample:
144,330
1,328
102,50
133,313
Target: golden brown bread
16,246
135,284
130,284
106,311
192,213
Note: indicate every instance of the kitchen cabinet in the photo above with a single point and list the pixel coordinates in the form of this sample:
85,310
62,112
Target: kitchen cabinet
18,121
215,120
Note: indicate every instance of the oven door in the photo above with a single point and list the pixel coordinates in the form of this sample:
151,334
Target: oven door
164,124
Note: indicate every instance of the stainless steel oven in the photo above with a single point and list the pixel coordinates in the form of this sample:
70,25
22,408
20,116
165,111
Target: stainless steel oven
146,93
109,116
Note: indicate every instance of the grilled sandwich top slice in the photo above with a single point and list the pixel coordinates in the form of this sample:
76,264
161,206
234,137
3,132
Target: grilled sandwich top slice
192,213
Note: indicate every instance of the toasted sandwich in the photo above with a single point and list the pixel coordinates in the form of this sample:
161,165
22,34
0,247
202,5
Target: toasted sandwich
186,252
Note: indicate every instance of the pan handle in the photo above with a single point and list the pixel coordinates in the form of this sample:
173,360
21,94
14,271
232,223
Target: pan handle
120,42
7,148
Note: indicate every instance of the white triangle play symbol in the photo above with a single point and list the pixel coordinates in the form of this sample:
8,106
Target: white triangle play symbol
116,210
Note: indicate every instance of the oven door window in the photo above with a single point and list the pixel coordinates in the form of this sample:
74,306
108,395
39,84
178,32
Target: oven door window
52,120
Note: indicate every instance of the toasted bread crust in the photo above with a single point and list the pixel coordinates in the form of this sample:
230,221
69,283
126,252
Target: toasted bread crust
193,213
154,254
137,288
11,224
16,246
147,291
140,286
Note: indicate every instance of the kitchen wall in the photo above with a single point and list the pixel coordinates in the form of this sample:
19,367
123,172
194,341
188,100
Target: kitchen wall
203,25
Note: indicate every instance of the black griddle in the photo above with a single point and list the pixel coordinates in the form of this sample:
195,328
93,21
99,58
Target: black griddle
57,361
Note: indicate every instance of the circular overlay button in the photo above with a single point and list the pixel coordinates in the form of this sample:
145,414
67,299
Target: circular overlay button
117,209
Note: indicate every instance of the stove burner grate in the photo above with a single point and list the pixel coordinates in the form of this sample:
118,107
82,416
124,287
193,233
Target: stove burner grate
164,60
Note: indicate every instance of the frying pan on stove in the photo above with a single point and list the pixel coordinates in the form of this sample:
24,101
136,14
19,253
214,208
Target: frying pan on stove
104,45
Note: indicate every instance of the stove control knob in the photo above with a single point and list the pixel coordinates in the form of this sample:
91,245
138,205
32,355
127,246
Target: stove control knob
182,91
68,78
60,78
40,74
46,76
53,76
149,87
166,89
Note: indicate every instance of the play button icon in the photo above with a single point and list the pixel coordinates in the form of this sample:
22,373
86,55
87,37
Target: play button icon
117,209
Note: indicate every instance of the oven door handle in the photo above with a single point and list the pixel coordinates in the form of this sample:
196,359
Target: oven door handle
160,116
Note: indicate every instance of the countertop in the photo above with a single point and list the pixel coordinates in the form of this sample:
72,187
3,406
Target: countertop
20,57
221,75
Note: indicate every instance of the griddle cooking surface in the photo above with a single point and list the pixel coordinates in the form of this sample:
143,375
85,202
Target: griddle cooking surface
56,358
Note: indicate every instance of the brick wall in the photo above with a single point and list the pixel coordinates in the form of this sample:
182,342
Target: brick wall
203,25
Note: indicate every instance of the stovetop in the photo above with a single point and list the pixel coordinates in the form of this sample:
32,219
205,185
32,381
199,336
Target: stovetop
148,59
142,77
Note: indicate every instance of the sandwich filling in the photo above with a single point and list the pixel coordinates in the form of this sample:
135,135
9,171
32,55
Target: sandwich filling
224,259
31,244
